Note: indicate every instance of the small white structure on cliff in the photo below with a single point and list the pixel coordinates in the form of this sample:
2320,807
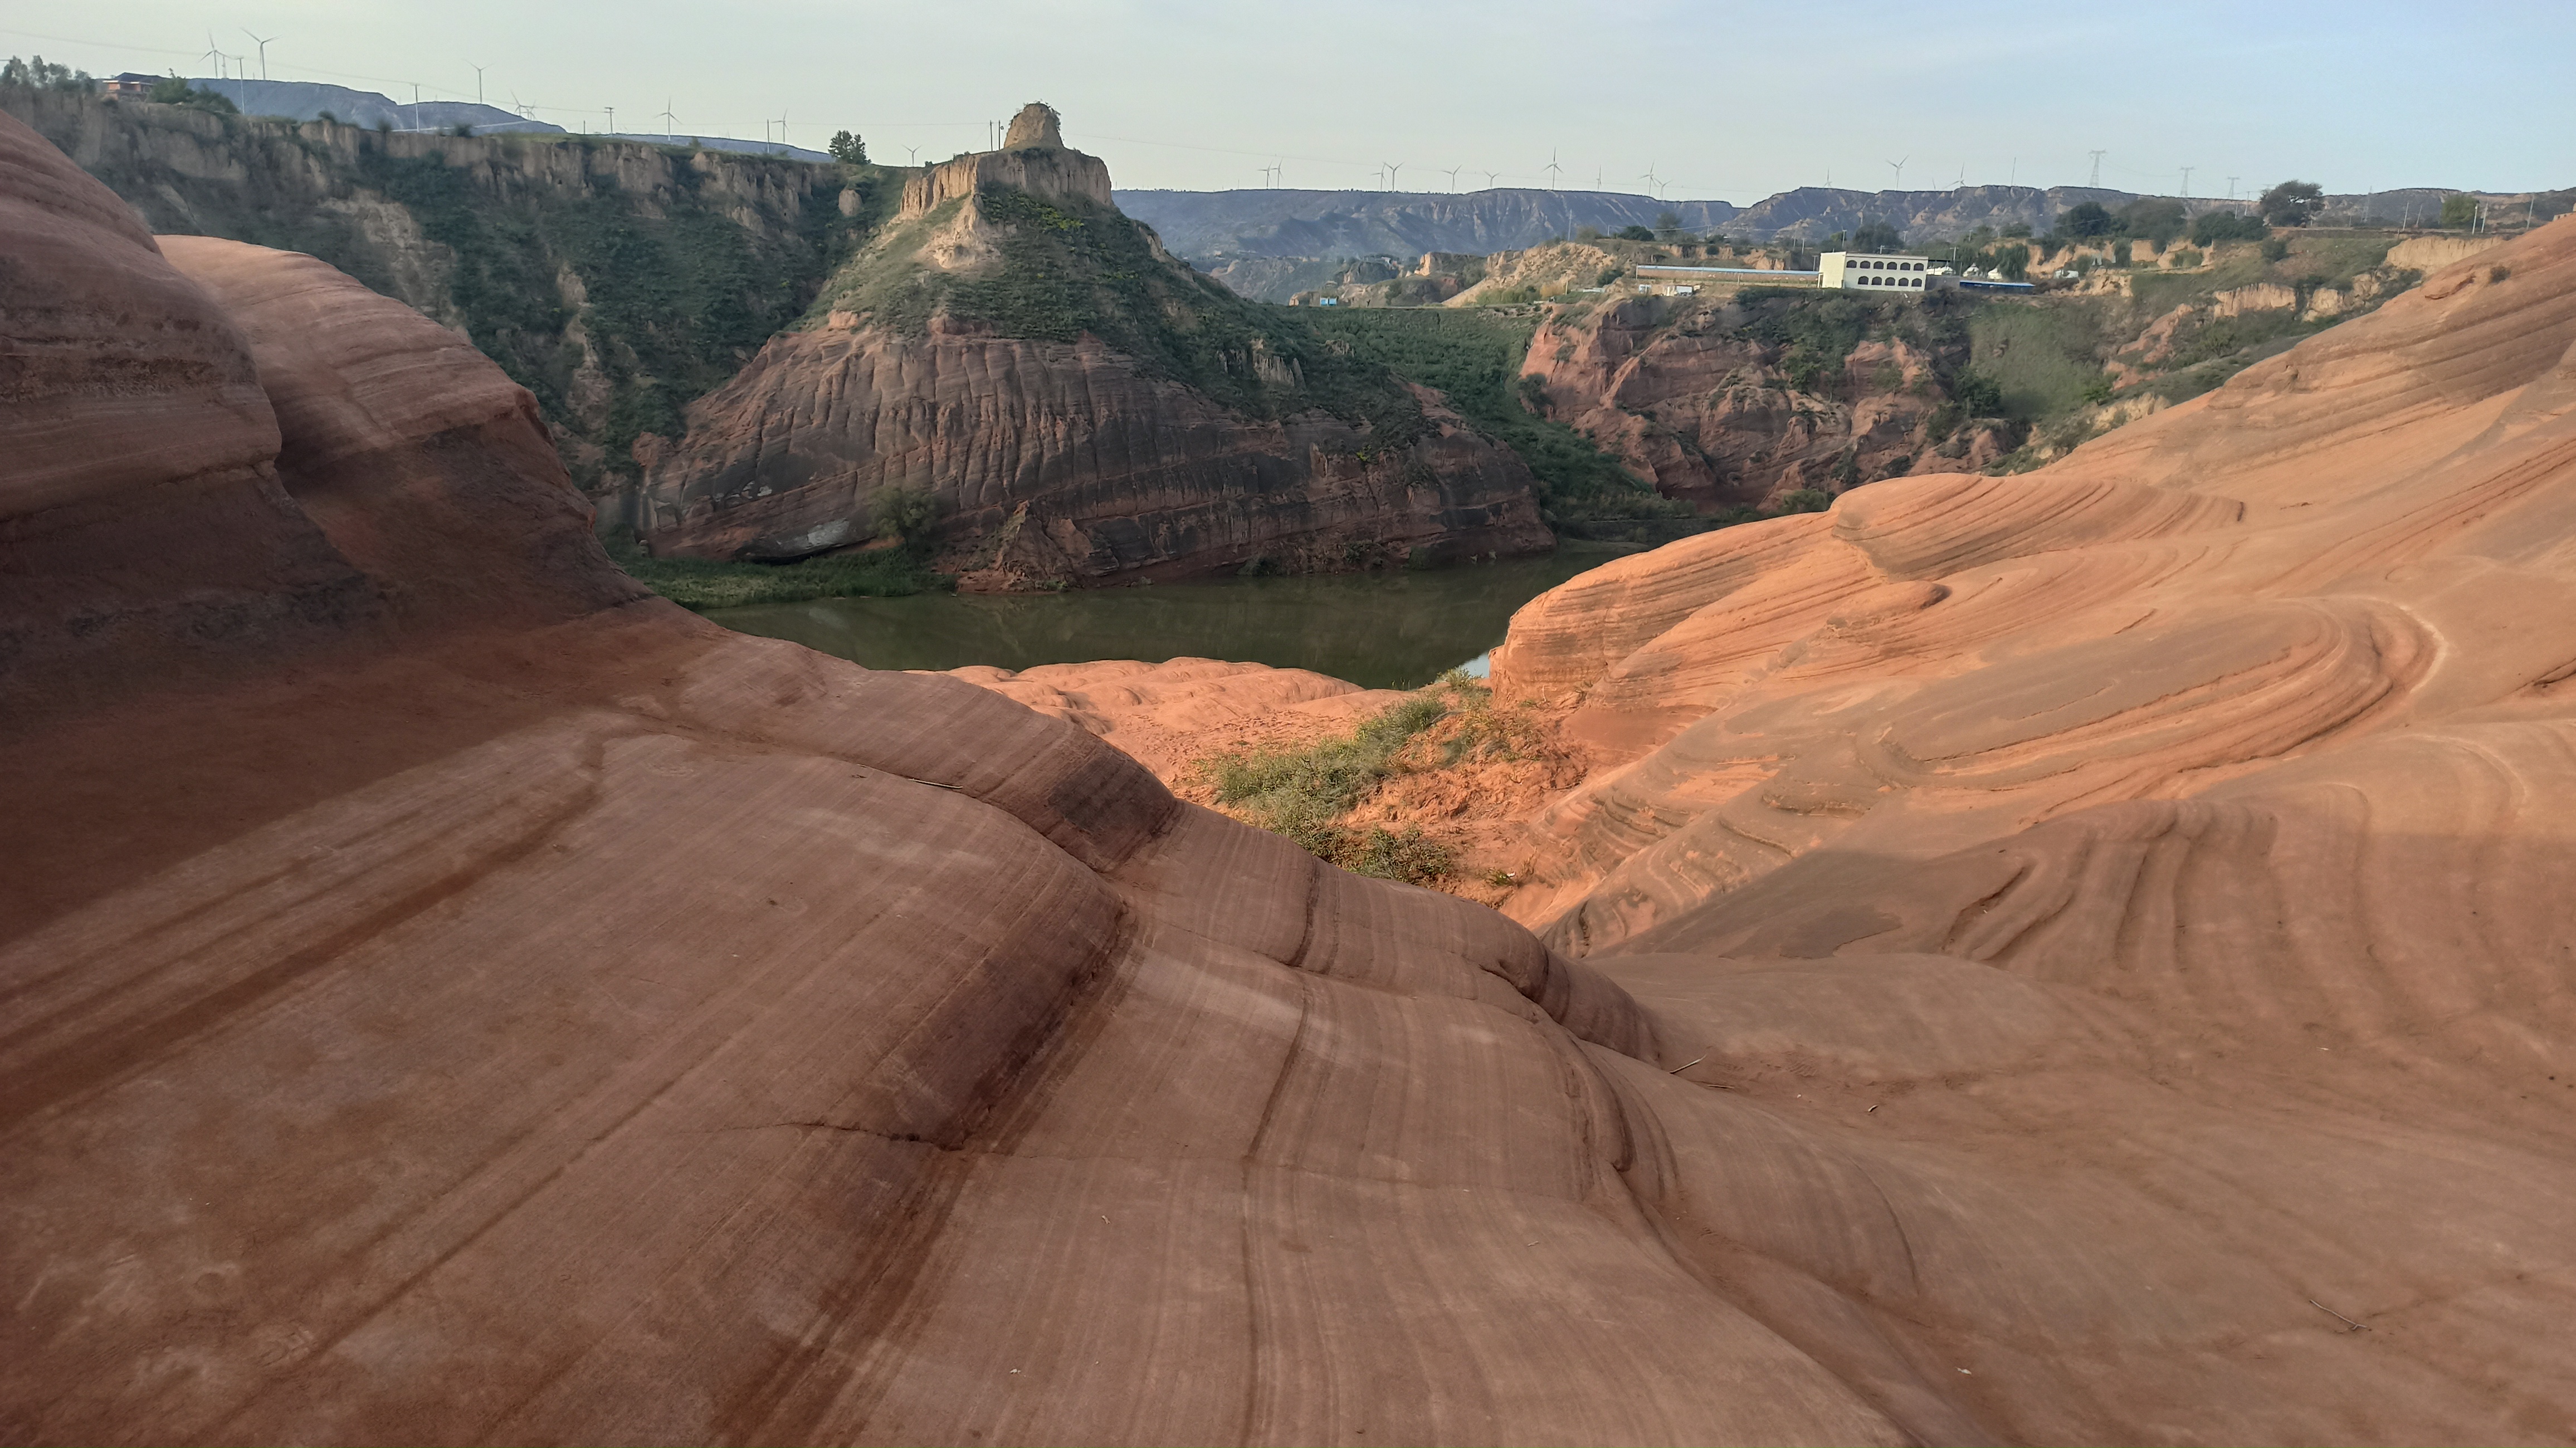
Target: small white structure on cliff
1873,271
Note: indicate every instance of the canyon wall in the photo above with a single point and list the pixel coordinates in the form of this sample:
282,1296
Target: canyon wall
491,1012
614,280
1050,461
1073,406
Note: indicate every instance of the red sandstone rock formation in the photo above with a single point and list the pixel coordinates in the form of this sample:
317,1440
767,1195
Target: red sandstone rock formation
1054,462
1707,417
588,1024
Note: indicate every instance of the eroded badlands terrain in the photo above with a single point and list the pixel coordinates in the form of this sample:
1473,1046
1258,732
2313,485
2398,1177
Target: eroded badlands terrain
2076,957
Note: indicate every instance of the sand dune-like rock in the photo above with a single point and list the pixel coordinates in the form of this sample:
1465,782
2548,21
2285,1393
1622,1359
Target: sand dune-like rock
522,1020
1171,715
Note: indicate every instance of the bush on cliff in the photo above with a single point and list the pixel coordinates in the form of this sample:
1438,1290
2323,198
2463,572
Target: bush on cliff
1068,267
705,583
1474,357
1303,793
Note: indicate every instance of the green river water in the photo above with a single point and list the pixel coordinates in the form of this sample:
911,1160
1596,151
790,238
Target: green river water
1382,631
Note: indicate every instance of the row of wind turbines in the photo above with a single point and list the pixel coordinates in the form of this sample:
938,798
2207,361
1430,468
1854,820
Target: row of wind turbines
1273,176
236,67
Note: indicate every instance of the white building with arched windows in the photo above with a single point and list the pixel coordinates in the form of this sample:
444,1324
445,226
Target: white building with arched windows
1864,271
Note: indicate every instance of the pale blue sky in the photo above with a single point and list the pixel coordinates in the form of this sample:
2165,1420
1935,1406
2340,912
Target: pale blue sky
1721,100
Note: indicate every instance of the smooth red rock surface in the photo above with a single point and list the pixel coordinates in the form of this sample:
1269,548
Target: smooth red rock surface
599,1026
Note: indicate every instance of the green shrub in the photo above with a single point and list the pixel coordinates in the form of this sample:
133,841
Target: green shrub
702,583
2212,227
2292,203
2153,218
41,74
903,512
2086,220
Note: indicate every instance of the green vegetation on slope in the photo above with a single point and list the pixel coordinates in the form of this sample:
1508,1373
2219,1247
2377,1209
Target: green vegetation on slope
1473,357
702,583
674,303
1303,793
669,287
1072,267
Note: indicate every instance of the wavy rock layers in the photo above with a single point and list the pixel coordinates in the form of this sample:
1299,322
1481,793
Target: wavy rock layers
510,1014
137,429
594,1025
1172,715
2166,841
1107,470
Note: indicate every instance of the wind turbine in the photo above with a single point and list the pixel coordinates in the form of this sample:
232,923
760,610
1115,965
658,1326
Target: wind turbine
1489,179
1453,176
782,127
668,120
1551,168
478,78
1391,168
526,112
214,55
1900,171
916,154
263,41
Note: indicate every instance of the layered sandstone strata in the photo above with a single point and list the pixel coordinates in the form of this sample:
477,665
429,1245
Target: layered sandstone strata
577,1022
1062,461
1051,458
1707,417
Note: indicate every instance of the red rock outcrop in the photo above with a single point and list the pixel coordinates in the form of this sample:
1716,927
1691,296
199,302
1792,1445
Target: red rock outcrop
1172,715
1051,458
1062,461
605,1027
1708,417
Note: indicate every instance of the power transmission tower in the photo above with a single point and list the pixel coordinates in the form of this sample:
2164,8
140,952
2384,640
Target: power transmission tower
2097,168
2186,181
2231,188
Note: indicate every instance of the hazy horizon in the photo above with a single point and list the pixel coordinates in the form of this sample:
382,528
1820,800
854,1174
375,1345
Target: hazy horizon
1718,103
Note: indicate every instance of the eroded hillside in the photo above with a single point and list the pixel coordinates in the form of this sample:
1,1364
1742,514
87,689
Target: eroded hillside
2072,957
615,281
1071,405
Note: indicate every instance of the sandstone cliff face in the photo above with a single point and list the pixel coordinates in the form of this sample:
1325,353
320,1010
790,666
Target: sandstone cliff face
616,280
973,356
1030,161
605,1027
1709,417
1097,470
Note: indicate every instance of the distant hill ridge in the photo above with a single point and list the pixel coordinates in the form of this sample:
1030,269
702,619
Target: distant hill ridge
1273,242
305,100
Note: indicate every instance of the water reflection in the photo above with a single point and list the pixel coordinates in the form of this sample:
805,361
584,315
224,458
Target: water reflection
1393,630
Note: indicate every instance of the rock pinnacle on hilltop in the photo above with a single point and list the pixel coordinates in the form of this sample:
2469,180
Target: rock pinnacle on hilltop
1037,124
